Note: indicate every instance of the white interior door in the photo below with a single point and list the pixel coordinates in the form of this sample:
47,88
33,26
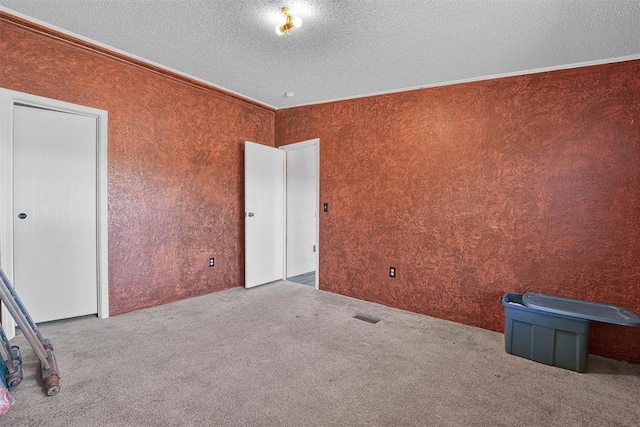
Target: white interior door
264,214
55,212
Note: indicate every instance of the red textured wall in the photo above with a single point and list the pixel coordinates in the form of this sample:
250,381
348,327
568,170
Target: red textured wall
528,183
175,156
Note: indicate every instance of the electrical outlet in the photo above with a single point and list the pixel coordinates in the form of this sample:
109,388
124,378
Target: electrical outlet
392,272
212,262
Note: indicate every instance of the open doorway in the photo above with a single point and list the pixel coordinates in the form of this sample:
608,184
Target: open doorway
282,213
302,207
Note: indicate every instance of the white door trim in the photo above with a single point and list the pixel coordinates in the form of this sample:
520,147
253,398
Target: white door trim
297,146
8,99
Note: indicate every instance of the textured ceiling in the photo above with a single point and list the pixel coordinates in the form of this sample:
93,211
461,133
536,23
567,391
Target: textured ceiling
346,48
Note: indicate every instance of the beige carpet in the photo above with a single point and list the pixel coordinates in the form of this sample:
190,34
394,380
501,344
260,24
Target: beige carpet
288,355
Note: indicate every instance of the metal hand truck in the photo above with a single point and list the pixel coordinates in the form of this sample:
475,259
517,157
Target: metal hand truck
41,346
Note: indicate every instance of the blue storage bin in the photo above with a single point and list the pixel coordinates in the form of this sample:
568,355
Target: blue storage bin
543,337
554,330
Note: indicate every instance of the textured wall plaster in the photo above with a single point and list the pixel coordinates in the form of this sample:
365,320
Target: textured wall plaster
519,184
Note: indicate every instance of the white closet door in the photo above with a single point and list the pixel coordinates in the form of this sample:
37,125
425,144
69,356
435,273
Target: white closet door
55,212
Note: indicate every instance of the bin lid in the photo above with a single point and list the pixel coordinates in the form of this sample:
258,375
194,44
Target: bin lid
581,309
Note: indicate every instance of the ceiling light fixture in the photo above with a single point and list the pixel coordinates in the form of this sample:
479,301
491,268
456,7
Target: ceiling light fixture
291,21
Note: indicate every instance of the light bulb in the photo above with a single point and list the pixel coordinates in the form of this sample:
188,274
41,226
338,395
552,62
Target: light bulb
279,30
297,22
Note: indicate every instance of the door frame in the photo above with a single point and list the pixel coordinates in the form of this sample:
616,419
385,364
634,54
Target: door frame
9,99
296,146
